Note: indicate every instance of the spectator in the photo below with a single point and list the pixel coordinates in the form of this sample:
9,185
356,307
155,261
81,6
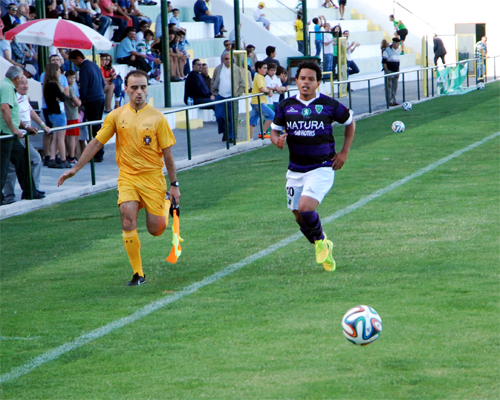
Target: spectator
54,99
283,75
258,15
158,24
181,46
481,52
390,60
271,54
329,42
227,46
121,11
26,114
6,50
299,32
206,76
143,27
80,13
329,4
342,4
127,52
100,21
109,74
352,68
318,36
439,50
273,83
337,32
232,39
56,9
401,32
11,150
10,20
107,9
22,54
175,20
177,59
202,14
221,89
91,92
196,88
259,86
71,105
251,59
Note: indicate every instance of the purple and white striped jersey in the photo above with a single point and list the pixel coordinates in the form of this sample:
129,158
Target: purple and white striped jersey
310,133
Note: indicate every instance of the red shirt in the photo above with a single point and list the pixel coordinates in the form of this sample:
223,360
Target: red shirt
106,3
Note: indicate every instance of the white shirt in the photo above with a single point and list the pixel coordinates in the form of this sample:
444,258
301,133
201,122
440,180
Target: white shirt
349,56
257,13
225,81
24,109
273,83
328,47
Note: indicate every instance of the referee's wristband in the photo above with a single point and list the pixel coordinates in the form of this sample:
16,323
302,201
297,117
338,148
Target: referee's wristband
174,183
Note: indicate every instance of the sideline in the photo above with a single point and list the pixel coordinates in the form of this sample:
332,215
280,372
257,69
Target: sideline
158,304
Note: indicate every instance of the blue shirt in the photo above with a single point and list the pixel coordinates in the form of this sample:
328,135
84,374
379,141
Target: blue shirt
200,8
175,20
125,48
310,133
317,36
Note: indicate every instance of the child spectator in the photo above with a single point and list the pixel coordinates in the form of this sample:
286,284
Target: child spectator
318,37
273,83
177,60
175,20
260,87
251,59
71,105
112,80
283,75
181,46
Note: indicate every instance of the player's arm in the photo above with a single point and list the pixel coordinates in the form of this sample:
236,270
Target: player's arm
172,173
339,159
93,147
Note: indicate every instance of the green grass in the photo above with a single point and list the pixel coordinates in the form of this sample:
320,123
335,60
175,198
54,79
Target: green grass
424,255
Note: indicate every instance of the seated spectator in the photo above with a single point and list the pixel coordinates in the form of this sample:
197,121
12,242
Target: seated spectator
101,22
27,115
71,105
10,20
352,68
259,86
181,46
56,9
144,47
110,76
80,13
232,38
202,14
127,52
122,11
55,98
107,9
206,76
175,20
273,83
251,59
196,88
283,75
143,27
177,59
258,15
22,54
271,53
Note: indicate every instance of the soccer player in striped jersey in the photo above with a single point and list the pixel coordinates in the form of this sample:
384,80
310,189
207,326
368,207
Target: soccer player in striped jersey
307,121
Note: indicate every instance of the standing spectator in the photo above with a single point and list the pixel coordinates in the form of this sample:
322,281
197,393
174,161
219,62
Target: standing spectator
342,4
439,50
259,86
390,61
71,105
258,15
232,39
271,54
221,89
329,42
401,32
337,32
202,14
251,59
27,114
107,9
481,51
299,32
383,45
227,46
10,20
196,88
91,92
283,75
273,83
127,52
318,36
206,76
11,150
158,24
352,68
55,98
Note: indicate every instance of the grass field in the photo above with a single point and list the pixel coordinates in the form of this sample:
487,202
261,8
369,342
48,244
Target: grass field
425,255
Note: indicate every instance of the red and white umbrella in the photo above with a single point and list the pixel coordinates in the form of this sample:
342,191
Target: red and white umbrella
60,33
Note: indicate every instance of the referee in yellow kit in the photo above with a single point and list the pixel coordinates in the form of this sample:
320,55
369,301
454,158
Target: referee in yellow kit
143,137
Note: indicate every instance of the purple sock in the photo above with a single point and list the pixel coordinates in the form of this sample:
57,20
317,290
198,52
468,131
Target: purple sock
311,222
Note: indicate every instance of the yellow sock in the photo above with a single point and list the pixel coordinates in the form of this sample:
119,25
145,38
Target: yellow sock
133,247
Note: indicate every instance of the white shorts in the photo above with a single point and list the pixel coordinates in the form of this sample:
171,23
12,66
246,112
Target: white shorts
316,184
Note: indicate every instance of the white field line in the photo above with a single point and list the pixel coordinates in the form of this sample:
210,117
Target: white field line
156,305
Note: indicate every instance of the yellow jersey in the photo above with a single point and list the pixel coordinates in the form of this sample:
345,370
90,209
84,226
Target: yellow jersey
299,26
259,81
140,137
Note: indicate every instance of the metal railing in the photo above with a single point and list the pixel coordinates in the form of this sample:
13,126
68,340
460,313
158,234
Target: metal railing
186,109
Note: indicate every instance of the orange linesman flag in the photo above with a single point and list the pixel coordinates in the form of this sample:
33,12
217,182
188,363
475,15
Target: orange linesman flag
176,239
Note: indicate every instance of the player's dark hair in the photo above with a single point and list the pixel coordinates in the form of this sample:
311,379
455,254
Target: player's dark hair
259,65
308,65
270,50
137,73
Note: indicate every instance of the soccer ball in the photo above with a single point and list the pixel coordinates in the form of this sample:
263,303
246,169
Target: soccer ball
362,325
406,106
480,86
398,127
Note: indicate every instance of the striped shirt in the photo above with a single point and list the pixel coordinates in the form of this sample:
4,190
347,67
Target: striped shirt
391,58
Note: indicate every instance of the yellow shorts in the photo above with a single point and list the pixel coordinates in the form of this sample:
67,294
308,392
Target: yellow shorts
148,189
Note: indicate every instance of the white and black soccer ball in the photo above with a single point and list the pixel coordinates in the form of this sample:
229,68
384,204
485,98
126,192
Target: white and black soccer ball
406,106
398,127
362,325
480,86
